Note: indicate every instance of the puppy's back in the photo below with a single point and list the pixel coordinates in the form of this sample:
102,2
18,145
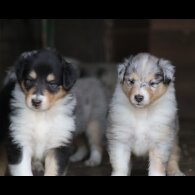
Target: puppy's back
91,102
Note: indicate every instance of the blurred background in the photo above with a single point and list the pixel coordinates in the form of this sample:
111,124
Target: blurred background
98,45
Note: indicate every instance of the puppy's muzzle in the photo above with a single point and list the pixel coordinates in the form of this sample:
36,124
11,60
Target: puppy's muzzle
36,103
139,98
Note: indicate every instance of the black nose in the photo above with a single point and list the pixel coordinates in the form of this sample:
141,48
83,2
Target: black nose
36,103
139,98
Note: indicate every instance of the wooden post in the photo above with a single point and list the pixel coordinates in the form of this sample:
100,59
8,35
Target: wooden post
48,31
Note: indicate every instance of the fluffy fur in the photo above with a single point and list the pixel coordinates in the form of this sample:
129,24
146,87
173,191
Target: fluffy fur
41,113
39,132
143,117
90,120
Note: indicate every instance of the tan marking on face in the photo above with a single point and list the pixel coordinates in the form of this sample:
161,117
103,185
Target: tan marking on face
51,167
132,76
156,93
33,75
149,78
50,77
52,98
129,90
28,94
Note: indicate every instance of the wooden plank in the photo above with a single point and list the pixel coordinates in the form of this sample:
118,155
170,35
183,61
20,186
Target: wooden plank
179,47
127,42
173,24
81,38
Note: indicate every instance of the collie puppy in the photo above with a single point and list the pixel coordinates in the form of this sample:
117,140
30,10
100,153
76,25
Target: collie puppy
90,113
143,117
37,113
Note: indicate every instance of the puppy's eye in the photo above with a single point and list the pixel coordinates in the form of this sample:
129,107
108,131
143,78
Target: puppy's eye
131,82
29,83
153,84
52,86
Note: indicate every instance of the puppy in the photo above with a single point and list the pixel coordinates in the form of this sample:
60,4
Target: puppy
90,112
143,117
38,113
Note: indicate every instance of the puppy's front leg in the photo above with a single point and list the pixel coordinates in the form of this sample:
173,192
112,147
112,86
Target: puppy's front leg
51,166
173,164
95,138
20,164
120,158
56,161
157,163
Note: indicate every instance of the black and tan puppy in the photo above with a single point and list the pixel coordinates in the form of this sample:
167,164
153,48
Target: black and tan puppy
38,113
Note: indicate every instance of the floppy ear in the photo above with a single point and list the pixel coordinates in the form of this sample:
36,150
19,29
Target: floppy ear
70,75
122,68
168,71
23,61
121,72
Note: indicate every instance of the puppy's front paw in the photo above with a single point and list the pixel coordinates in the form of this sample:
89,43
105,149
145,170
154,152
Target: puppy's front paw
75,159
119,174
94,160
38,166
92,163
79,155
176,174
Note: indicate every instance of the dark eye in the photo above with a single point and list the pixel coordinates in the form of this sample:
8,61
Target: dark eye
131,82
153,84
29,83
53,86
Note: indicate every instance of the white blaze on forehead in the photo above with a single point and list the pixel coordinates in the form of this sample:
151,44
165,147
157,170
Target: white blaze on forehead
144,64
37,97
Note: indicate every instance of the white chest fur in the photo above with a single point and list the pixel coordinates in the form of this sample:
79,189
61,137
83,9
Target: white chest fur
41,131
145,131
141,129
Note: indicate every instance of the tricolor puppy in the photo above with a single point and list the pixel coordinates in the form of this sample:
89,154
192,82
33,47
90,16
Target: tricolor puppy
143,117
41,113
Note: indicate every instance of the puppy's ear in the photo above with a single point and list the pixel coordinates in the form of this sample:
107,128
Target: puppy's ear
70,75
122,68
168,70
22,62
121,72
